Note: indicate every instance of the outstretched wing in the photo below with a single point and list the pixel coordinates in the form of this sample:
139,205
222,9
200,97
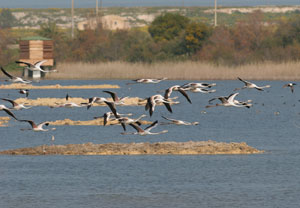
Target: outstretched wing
7,74
246,82
39,63
21,62
10,113
112,94
112,108
11,101
184,94
169,119
153,125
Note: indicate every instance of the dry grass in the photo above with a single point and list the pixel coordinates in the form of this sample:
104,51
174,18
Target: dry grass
180,70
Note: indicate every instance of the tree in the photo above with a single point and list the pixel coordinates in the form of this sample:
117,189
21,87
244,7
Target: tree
195,35
168,26
7,20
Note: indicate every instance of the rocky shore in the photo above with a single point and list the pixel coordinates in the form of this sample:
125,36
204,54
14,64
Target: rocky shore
158,148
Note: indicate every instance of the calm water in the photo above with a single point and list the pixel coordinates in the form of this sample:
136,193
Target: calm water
134,3
266,180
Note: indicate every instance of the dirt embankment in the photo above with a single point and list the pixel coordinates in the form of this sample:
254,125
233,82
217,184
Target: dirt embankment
4,121
57,86
159,148
53,102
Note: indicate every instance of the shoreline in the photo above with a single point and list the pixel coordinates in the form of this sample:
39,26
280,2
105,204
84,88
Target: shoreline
159,148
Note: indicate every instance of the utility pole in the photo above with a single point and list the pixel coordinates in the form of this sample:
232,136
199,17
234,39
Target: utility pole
72,25
215,13
97,8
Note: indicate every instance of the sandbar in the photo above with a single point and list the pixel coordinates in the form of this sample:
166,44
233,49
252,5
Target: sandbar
159,148
57,86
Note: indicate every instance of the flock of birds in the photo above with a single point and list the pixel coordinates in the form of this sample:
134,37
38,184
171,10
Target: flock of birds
151,102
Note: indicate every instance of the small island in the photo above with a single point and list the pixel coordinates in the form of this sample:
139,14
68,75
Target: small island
158,148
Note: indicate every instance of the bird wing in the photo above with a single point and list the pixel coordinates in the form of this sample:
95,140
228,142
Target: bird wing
169,119
11,101
7,74
112,94
136,127
21,62
39,63
33,125
112,107
153,125
246,82
10,113
168,106
232,96
184,94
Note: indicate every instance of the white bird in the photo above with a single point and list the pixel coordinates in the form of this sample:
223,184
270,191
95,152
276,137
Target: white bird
93,100
126,120
193,85
36,127
229,101
290,85
202,90
179,122
107,116
24,92
69,105
116,99
36,66
6,110
147,81
16,106
176,88
157,99
145,131
14,79
251,85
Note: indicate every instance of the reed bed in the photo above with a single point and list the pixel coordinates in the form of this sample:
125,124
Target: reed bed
177,70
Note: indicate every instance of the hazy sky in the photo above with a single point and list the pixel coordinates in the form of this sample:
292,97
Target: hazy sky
131,3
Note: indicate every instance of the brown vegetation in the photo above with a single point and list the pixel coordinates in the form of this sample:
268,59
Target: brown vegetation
4,121
159,148
188,70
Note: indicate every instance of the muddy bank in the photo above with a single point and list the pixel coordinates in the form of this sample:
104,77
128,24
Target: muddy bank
159,148
4,121
57,86
53,102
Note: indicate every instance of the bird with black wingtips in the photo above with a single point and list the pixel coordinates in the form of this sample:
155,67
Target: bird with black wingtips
176,88
154,100
36,127
229,101
251,85
146,131
36,66
14,79
117,100
24,92
290,85
15,105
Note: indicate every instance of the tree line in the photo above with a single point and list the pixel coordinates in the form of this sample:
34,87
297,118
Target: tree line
173,37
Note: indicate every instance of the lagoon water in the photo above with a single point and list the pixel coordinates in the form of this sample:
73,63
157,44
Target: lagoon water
270,180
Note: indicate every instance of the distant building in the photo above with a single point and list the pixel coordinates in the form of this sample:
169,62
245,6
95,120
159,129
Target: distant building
34,49
109,22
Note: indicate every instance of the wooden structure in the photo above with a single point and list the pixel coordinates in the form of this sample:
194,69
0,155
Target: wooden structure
34,49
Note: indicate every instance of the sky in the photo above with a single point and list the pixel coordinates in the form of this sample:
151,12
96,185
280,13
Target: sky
133,3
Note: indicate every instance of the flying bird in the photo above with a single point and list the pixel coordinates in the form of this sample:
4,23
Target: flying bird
36,66
290,85
14,79
24,92
229,101
146,131
179,122
251,85
15,105
147,81
116,99
36,127
176,88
